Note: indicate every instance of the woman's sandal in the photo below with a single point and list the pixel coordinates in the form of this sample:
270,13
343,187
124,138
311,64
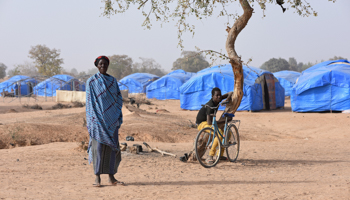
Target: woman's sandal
96,185
117,182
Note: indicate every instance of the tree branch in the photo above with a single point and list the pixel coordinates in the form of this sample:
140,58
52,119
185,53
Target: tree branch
212,51
143,3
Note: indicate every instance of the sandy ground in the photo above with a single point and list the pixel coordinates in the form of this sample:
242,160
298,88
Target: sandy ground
283,155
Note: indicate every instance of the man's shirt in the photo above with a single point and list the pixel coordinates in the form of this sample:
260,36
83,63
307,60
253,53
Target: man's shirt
204,111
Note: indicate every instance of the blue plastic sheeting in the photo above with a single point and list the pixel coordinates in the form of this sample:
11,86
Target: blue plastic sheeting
181,71
287,79
168,87
323,87
137,82
197,90
58,82
13,83
250,74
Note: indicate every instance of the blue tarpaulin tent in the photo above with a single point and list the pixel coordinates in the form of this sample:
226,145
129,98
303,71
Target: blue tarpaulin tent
197,90
24,83
58,82
323,87
168,86
137,82
287,79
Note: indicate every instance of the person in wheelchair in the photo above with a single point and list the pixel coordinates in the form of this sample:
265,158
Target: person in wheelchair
205,119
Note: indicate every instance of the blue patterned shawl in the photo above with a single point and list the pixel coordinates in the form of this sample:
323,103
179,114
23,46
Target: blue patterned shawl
103,109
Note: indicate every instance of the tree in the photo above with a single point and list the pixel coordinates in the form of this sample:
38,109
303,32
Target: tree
307,65
67,72
293,64
27,69
191,61
148,65
338,58
74,71
275,65
120,66
13,72
164,10
47,61
82,73
3,68
92,71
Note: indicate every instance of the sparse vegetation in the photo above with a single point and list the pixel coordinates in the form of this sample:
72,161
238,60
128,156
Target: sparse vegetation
60,106
16,137
35,106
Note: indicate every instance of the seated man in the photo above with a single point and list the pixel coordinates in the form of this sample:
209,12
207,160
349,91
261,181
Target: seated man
204,119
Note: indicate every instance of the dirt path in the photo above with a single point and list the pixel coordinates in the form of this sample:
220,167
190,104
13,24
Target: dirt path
283,155
274,170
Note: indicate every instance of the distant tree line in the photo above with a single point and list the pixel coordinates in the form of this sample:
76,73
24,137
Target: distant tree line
122,65
3,68
47,62
280,64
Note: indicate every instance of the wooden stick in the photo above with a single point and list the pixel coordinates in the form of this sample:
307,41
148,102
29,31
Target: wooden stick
148,147
163,152
158,150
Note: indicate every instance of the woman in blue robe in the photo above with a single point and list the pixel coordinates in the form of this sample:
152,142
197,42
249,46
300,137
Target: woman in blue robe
104,116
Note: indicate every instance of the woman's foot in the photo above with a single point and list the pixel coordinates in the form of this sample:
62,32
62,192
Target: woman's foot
97,181
114,181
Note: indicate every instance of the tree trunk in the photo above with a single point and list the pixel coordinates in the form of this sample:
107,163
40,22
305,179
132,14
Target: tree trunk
235,60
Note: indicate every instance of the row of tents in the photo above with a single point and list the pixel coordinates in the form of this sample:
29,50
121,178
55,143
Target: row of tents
323,87
261,89
20,85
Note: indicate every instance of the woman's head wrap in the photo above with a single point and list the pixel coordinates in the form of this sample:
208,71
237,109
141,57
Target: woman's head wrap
99,58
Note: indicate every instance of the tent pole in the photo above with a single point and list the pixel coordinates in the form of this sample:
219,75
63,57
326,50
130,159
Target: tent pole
45,93
35,84
28,89
331,99
19,91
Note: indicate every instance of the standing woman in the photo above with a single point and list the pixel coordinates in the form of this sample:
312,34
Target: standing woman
104,116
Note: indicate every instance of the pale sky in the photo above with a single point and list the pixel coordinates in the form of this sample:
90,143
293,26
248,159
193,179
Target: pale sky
78,29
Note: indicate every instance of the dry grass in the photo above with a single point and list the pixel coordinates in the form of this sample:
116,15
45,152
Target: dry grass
35,106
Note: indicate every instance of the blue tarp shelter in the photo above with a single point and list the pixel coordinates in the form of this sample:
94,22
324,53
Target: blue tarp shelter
323,87
197,90
58,82
287,79
24,83
137,82
168,86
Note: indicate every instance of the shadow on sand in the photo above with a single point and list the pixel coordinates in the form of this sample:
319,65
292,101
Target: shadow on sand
211,182
275,163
